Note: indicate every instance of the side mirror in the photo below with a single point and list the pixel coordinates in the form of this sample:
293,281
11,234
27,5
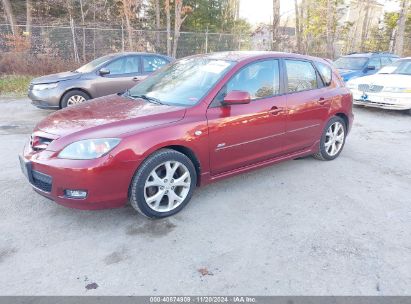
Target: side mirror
104,71
237,97
370,68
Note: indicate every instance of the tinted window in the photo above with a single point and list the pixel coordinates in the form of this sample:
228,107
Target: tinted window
152,63
301,76
325,72
350,63
260,79
123,65
375,62
385,61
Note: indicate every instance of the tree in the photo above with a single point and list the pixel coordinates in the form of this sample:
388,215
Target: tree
399,39
10,16
330,28
297,26
276,24
180,14
168,25
28,16
157,12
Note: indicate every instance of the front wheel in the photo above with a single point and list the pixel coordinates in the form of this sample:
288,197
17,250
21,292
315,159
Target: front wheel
74,97
163,185
332,140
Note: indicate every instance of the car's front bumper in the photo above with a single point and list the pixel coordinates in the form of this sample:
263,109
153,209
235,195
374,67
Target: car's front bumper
384,100
105,179
45,99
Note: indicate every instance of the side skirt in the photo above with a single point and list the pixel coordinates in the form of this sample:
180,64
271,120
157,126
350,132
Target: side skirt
207,178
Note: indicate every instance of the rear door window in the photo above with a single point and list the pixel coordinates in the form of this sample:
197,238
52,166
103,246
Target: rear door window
375,62
301,76
385,60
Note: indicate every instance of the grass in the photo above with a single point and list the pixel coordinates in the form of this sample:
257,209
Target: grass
14,85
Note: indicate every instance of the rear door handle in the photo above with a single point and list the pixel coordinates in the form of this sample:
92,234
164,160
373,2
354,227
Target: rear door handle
321,100
275,110
136,78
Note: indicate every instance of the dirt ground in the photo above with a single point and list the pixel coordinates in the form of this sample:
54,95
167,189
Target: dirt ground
300,227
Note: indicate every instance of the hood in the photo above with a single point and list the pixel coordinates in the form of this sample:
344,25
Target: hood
347,74
56,77
108,116
386,80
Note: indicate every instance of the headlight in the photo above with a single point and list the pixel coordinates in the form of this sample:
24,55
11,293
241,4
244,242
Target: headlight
89,148
352,85
397,90
44,86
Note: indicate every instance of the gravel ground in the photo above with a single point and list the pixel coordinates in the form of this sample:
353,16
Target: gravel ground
300,227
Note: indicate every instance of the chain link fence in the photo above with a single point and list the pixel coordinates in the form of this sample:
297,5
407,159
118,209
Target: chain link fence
49,49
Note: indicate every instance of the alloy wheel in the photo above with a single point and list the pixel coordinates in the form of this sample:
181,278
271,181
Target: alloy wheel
167,186
75,99
334,138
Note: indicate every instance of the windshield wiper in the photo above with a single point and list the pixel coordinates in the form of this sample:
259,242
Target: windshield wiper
145,97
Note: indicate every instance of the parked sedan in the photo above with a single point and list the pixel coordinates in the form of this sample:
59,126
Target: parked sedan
198,120
390,88
103,76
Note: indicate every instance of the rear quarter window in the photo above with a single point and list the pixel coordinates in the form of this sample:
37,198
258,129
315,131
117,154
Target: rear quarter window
325,72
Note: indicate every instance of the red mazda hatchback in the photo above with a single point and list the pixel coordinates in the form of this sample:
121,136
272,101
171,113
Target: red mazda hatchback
195,121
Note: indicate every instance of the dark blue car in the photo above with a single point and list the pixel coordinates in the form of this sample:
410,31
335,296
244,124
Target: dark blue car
362,64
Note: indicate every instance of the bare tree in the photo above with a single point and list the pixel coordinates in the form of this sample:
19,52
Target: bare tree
128,14
28,16
276,24
84,30
399,37
180,14
330,32
364,29
10,16
297,26
157,9
168,22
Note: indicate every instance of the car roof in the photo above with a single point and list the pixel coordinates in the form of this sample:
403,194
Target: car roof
370,55
239,56
121,54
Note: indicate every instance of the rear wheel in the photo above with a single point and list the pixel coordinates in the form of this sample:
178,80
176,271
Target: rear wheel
332,140
73,97
163,185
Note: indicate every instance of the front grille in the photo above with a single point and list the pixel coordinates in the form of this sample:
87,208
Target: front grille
42,181
370,88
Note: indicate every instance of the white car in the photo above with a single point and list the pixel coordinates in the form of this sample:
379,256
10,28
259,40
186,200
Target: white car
390,88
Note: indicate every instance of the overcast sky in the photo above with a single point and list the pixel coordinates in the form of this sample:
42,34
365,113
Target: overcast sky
256,11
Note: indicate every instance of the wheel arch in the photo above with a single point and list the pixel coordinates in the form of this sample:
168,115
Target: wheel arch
344,117
190,154
73,89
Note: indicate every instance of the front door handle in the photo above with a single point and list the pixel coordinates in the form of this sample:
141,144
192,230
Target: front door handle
275,110
321,101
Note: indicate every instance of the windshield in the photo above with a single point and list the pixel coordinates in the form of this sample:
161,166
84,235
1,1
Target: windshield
184,82
89,67
350,63
398,67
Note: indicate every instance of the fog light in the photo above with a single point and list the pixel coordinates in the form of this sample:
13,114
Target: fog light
75,193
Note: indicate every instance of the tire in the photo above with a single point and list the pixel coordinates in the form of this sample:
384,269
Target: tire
151,190
408,111
73,97
326,149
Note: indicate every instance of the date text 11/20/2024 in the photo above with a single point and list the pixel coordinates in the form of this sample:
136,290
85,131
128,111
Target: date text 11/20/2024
203,299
